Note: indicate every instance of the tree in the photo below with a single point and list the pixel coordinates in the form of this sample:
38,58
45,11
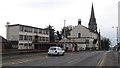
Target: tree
51,33
66,30
105,43
59,35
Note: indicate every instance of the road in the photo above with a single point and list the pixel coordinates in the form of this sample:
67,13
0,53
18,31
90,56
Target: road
83,58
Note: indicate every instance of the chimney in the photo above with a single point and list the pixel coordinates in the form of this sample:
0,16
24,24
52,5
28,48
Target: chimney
79,21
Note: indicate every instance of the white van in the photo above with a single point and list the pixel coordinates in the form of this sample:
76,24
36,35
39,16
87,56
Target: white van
55,51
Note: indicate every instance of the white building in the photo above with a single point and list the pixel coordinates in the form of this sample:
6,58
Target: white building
26,35
83,38
119,22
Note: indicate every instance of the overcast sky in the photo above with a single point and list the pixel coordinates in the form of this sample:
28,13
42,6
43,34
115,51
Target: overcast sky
41,13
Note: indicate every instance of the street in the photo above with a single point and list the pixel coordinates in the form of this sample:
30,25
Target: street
83,58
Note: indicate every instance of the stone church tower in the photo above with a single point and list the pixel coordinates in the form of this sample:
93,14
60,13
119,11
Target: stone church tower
92,22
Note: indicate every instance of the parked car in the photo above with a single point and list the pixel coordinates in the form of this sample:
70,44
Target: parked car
56,51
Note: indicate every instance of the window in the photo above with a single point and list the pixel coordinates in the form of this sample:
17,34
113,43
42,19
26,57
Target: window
26,29
35,30
47,39
14,46
20,37
25,37
52,48
40,31
30,44
43,38
20,43
79,35
47,32
30,30
25,44
30,38
39,39
21,28
87,41
43,32
68,34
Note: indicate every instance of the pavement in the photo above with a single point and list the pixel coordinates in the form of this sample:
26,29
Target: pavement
110,59
16,56
119,60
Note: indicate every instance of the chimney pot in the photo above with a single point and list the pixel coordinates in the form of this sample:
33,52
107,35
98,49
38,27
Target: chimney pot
79,21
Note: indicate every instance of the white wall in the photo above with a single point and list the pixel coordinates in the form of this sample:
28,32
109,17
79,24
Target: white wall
33,34
84,33
93,35
13,33
81,46
79,29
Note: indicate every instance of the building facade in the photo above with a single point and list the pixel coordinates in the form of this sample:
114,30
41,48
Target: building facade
28,37
83,38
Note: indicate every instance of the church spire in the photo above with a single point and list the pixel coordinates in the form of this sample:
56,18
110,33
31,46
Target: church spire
92,22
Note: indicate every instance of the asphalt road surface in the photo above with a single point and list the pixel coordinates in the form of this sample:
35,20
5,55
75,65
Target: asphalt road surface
83,58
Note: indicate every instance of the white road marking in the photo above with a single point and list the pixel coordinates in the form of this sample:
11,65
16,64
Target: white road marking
71,53
13,63
73,61
102,60
46,56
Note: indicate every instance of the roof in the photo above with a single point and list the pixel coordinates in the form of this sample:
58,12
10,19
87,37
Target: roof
65,40
89,29
24,25
86,28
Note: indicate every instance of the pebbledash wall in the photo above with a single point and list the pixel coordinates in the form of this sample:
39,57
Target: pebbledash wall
25,35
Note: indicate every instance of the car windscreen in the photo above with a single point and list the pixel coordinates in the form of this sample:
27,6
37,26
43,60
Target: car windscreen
52,48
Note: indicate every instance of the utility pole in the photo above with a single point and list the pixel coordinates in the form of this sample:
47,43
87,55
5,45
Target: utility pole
64,29
64,36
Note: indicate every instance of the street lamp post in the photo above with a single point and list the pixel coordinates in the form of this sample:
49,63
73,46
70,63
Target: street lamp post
117,33
64,35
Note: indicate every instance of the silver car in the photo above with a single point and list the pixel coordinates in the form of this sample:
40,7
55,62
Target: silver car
55,51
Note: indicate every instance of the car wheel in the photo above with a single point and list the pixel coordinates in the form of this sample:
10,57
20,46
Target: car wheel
49,54
63,53
58,53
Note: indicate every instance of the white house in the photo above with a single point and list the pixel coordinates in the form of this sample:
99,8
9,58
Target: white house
81,37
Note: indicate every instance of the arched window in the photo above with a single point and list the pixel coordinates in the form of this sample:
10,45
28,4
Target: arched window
79,35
